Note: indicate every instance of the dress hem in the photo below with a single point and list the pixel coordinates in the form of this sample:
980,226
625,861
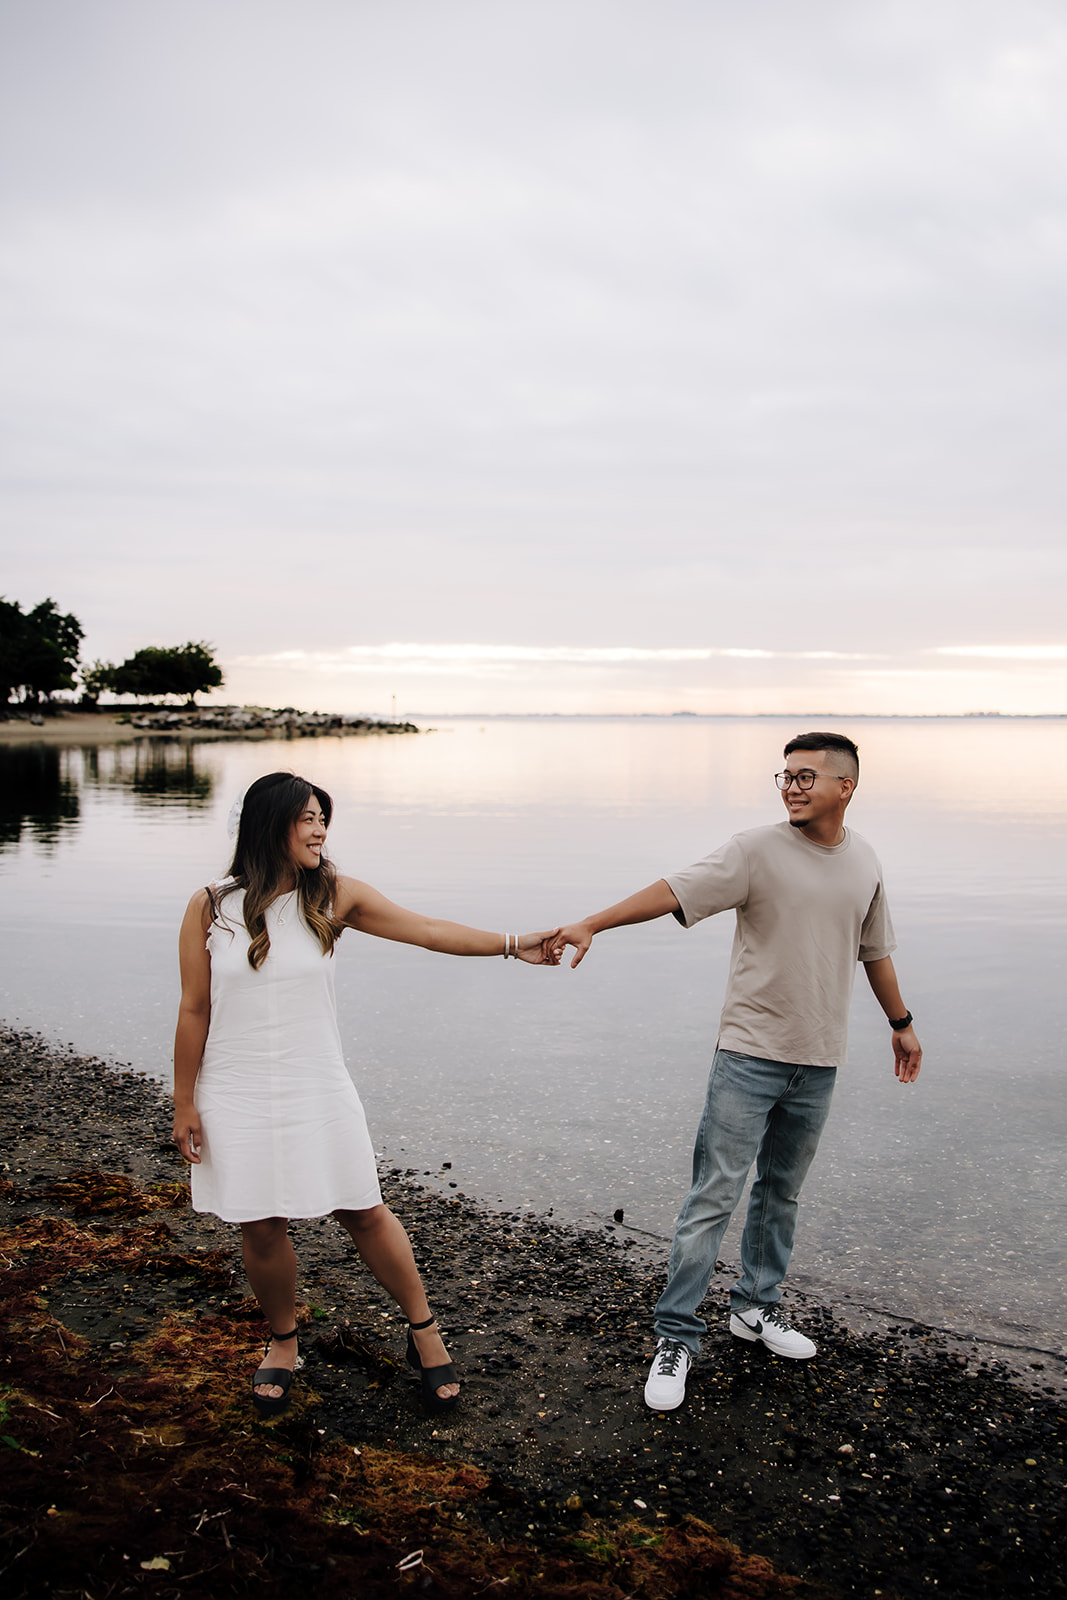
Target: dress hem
290,1216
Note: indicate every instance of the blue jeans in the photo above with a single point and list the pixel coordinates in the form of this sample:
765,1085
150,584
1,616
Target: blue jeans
770,1112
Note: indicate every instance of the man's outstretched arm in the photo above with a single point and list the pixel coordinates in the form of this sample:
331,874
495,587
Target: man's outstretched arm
644,906
907,1051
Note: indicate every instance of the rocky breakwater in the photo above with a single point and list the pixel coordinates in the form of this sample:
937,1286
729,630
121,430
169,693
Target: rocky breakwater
259,722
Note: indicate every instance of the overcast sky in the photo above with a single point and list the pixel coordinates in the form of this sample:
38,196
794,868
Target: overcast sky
536,356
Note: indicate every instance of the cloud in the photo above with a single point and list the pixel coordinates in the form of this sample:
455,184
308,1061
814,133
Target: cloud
538,323
460,657
1006,652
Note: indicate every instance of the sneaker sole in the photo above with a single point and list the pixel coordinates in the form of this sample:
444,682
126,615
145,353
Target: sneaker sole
741,1330
652,1406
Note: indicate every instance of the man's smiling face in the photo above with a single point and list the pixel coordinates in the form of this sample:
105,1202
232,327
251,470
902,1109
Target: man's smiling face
828,786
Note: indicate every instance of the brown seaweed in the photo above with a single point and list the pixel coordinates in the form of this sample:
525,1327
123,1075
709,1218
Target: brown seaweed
151,1474
902,1461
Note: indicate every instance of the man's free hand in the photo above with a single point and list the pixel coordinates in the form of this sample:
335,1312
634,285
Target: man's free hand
907,1055
907,1051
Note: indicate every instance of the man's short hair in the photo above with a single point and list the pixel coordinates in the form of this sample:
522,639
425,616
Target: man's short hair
840,743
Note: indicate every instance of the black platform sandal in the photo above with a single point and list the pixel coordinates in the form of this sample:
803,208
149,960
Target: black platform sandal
432,1378
269,1405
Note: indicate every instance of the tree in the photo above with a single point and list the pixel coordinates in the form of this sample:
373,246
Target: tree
12,642
38,649
96,680
52,660
185,670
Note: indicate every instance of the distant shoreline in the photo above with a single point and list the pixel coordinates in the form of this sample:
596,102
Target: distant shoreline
809,717
107,727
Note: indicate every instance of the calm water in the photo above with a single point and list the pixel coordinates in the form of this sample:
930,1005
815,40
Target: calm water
581,1091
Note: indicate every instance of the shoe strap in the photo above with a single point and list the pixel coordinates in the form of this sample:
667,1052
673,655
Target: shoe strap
417,1326
282,1338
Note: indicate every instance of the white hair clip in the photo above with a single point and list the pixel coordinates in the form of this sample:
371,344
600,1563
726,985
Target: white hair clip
233,821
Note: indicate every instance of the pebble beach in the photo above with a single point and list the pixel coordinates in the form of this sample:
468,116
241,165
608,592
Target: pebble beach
899,1462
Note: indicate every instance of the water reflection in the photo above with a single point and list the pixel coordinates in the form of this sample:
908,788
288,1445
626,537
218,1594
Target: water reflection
983,768
42,787
579,1091
156,771
37,795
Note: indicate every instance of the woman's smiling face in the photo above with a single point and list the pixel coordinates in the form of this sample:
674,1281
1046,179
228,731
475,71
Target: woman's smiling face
307,835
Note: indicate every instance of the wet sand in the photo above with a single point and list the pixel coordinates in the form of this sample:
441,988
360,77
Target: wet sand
897,1462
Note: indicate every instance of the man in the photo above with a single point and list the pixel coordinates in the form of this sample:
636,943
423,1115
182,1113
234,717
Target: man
809,903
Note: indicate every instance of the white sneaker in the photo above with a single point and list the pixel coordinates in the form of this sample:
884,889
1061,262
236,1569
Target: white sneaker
767,1324
665,1389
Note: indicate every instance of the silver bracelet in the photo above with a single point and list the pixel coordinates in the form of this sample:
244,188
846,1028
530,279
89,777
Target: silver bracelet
511,945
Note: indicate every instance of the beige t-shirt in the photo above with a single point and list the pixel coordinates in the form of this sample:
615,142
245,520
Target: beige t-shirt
806,913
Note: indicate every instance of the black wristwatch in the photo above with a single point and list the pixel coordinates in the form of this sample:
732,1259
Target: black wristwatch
905,1022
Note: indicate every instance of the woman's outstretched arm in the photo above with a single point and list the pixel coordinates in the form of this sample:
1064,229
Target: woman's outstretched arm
359,906
194,1014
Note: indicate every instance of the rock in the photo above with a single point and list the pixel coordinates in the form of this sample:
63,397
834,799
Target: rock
288,722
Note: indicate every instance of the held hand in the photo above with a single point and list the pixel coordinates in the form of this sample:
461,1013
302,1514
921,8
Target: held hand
907,1054
539,948
187,1133
577,934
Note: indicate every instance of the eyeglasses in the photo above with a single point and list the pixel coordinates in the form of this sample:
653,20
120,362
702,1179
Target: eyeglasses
803,780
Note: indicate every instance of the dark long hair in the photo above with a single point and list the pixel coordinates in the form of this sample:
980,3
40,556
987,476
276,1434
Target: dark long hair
262,862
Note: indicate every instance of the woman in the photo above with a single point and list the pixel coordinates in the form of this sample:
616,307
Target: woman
264,1109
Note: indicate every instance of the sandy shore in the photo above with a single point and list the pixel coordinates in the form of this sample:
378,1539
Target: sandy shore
79,727
83,727
75,727
896,1464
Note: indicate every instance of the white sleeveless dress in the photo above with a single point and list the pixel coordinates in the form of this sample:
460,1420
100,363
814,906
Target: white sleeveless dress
284,1131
